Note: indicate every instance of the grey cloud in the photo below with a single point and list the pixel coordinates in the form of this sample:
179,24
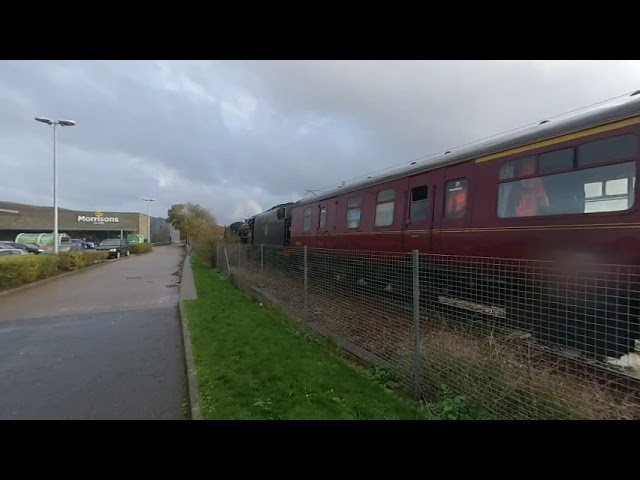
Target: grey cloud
120,114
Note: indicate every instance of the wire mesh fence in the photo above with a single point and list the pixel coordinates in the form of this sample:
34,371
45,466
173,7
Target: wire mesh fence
522,339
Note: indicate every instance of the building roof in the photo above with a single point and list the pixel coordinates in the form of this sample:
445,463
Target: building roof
34,218
25,207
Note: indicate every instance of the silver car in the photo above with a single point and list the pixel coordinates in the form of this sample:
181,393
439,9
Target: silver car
12,251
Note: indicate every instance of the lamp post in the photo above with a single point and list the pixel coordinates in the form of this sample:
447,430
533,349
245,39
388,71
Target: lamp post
149,200
55,123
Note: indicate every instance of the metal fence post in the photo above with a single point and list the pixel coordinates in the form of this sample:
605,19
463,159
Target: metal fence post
416,323
305,283
218,256
226,257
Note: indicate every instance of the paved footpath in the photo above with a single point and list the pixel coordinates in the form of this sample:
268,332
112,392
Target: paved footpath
104,343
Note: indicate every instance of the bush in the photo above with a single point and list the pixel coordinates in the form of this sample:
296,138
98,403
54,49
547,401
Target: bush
68,261
21,269
205,242
207,250
136,248
47,265
18,270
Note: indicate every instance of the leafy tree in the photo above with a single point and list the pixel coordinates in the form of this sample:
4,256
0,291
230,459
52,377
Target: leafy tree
185,217
198,226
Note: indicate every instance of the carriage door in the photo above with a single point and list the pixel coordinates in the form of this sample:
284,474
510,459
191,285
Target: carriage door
321,225
419,213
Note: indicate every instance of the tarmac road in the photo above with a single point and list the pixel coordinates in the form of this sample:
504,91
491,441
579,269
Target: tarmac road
104,343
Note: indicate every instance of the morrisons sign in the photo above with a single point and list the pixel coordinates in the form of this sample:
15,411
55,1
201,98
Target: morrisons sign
98,219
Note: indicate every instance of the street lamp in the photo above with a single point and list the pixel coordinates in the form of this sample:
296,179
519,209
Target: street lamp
62,123
149,200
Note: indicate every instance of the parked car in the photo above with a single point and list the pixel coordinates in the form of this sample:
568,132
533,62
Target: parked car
28,247
4,252
76,245
81,244
37,249
115,246
9,246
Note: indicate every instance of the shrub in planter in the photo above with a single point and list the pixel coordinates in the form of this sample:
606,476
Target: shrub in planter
136,248
68,261
21,269
17,270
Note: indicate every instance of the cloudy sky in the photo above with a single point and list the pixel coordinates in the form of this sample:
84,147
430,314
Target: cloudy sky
241,136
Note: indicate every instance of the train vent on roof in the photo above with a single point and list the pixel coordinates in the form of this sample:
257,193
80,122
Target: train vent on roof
635,93
543,122
447,152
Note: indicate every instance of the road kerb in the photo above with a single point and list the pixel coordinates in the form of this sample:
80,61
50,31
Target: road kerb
192,378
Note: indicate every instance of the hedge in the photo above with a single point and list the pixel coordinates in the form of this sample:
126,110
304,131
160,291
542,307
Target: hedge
21,269
140,247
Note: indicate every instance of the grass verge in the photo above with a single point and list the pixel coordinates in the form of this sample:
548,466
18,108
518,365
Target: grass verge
253,363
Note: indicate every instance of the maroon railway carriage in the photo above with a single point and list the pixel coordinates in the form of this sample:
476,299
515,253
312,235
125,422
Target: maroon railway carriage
561,191
562,188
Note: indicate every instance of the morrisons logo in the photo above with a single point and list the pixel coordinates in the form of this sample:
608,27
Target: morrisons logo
98,219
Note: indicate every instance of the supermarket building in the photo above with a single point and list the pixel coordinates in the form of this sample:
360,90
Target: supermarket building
16,218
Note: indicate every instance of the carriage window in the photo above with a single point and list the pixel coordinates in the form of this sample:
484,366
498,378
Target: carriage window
323,218
608,149
353,212
307,219
601,189
456,199
419,203
384,207
386,195
556,160
354,202
518,168
608,196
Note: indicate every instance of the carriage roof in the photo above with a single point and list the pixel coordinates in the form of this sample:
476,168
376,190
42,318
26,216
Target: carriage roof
604,112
